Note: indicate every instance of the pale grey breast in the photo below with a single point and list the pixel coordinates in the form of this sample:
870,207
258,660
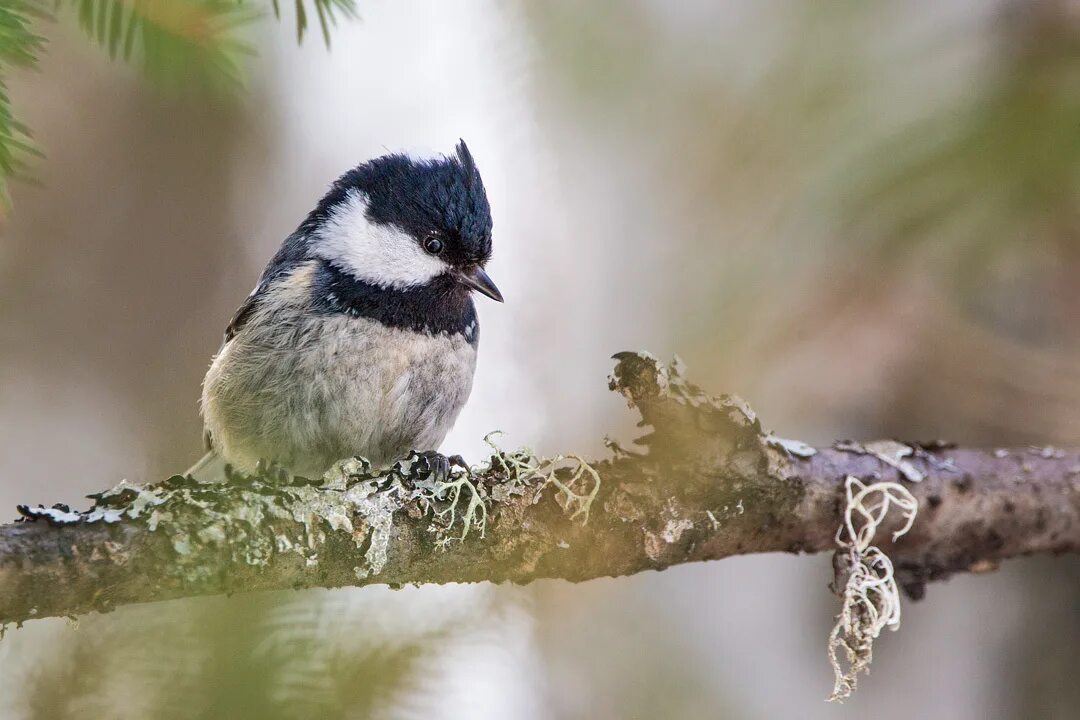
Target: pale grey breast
308,390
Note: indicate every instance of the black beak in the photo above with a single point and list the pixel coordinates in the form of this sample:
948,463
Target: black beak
478,280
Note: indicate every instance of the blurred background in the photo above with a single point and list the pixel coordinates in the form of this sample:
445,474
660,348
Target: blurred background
862,217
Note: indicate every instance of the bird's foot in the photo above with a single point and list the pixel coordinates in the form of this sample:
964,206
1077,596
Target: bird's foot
273,471
436,466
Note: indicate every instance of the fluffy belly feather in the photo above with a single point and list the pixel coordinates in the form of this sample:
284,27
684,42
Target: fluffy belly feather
308,393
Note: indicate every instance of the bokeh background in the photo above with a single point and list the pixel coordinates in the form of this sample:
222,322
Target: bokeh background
863,217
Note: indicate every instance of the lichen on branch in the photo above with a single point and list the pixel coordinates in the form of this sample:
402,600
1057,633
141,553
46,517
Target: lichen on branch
866,582
705,481
253,518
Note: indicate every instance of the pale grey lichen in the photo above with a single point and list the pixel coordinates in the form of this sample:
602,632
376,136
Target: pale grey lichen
889,452
1048,452
577,487
871,599
674,528
713,520
57,516
251,519
519,467
725,513
581,476
793,447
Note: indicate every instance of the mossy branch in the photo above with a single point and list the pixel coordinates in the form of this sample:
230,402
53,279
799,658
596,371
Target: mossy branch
708,482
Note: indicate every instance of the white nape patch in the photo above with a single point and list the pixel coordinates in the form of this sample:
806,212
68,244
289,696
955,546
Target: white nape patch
379,254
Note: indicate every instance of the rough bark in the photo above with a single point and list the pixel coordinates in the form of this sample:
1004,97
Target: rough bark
707,482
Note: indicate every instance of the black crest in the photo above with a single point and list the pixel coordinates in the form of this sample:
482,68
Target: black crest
444,195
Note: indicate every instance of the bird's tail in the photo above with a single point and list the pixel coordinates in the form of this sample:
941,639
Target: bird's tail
210,468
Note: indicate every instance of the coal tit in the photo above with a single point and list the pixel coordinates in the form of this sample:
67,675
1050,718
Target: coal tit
360,337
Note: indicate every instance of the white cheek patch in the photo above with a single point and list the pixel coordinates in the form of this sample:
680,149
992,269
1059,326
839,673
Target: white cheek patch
378,254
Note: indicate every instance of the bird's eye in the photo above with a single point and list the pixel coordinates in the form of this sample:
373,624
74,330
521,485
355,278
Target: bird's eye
433,244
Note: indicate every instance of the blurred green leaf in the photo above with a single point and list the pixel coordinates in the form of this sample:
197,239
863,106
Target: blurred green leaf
177,41
19,47
327,12
272,656
186,42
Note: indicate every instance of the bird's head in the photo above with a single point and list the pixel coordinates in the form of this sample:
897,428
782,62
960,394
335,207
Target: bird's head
399,222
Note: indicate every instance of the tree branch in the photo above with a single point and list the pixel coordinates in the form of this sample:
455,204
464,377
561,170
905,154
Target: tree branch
708,483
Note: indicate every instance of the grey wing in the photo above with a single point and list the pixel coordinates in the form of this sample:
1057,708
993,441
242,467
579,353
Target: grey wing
239,319
293,250
243,313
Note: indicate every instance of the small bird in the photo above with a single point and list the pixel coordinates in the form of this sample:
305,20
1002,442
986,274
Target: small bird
361,335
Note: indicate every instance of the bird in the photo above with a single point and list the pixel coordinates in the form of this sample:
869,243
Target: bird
360,337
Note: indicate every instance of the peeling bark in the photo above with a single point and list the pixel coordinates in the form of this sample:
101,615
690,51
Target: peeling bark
708,482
